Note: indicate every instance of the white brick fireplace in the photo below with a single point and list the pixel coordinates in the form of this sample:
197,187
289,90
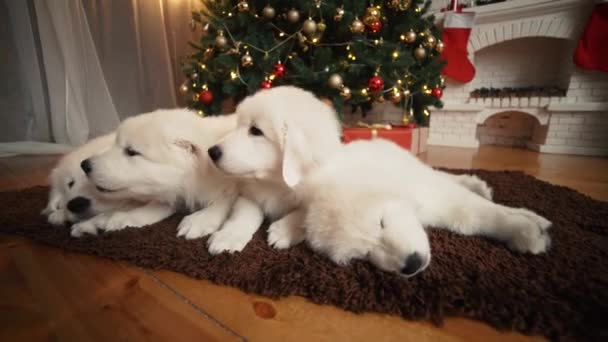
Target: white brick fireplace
523,43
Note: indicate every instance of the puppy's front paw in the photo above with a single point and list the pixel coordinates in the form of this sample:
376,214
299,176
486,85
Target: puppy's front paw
197,225
81,228
56,217
119,221
228,240
532,236
281,235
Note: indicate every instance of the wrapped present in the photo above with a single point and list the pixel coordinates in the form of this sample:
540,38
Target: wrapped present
409,136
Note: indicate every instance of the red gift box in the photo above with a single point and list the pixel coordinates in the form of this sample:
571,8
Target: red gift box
410,137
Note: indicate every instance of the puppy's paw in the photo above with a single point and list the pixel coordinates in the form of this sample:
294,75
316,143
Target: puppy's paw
56,217
228,240
281,235
84,227
197,225
542,222
531,236
478,186
119,221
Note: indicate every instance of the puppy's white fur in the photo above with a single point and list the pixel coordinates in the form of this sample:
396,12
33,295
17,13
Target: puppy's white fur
282,133
67,181
160,158
373,200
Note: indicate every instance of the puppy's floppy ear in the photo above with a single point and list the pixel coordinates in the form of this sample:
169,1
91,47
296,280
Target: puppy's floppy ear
297,159
188,146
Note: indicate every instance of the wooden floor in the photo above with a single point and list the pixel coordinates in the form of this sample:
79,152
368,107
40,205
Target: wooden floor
49,294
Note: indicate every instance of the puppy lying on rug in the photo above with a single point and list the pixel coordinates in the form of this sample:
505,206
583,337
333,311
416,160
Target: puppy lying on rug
157,158
276,129
72,198
374,200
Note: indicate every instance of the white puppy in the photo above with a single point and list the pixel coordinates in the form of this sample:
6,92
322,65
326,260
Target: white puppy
72,197
157,158
282,133
373,200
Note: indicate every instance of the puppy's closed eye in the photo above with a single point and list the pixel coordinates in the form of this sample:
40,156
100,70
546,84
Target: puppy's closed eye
70,184
253,130
129,151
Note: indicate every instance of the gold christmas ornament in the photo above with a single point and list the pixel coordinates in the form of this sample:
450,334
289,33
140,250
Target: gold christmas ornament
246,60
401,5
183,89
243,6
372,15
357,26
419,53
404,5
441,81
269,12
293,16
408,37
335,81
339,14
220,40
321,27
309,26
440,46
405,92
346,93
195,97
430,42
396,96
194,76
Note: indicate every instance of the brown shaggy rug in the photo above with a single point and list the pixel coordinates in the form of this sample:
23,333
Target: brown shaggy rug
562,294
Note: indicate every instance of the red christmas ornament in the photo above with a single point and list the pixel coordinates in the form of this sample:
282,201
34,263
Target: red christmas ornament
205,97
375,27
375,84
279,70
266,84
437,92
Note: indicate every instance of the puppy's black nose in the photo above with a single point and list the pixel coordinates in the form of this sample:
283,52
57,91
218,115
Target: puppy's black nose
215,153
413,263
78,205
85,165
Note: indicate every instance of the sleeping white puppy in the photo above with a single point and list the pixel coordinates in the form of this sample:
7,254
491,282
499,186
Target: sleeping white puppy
157,158
72,198
281,134
373,200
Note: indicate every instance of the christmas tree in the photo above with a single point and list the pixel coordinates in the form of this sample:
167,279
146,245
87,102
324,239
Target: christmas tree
352,52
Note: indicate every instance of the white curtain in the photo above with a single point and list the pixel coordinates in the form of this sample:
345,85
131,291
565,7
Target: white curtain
76,67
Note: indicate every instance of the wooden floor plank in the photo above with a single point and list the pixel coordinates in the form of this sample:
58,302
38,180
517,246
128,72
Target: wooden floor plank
48,294
295,319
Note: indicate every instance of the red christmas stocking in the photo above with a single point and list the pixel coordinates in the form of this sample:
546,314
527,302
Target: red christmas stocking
456,31
592,49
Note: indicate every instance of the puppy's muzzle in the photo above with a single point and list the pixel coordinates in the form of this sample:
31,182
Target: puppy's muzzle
215,153
413,264
79,205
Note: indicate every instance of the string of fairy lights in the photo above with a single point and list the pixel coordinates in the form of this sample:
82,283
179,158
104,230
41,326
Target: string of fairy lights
309,34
